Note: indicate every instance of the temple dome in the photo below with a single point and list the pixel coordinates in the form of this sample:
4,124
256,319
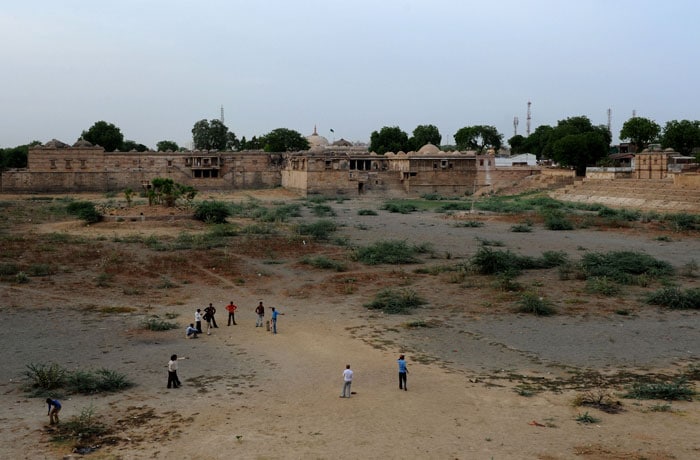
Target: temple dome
316,141
428,149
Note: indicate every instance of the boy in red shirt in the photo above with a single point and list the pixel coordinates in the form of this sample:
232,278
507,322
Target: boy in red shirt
231,308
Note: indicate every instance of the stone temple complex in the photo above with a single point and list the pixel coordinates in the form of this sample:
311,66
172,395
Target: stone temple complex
341,168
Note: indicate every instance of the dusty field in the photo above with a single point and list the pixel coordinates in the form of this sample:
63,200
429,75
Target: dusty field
250,394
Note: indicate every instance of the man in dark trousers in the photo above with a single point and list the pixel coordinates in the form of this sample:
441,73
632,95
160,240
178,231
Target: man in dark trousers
173,380
211,311
260,311
231,308
403,370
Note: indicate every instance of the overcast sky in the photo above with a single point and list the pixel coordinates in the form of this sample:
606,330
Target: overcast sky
156,67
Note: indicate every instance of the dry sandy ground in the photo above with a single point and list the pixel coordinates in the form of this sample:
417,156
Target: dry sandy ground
252,395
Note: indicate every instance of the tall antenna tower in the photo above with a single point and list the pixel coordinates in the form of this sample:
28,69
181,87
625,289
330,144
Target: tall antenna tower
610,121
634,113
529,118
222,114
515,126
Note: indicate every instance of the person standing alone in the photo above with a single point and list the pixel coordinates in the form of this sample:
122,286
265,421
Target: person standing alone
275,313
403,370
172,372
231,308
347,382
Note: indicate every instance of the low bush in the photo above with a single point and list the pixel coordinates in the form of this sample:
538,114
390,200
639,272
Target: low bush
212,212
8,269
602,285
469,224
83,428
388,252
669,391
323,210
676,298
44,377
586,418
489,262
84,210
395,302
399,207
324,263
624,267
157,324
320,230
534,304
556,220
521,228
366,212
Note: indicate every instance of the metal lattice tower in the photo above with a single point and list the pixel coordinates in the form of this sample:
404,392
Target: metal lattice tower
222,114
515,126
610,121
529,118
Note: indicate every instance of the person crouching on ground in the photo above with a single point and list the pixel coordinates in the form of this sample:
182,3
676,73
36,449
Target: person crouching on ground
191,332
54,409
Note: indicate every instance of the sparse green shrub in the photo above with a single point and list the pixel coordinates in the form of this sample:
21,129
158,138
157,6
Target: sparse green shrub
690,269
534,304
683,221
468,224
676,298
455,206
602,285
322,210
166,283
44,377
320,230
521,228
324,263
628,215
259,229
505,282
669,391
399,207
556,220
21,278
212,212
418,323
586,418
395,302
83,426
40,270
281,213
103,279
366,212
387,252
625,267
84,210
487,242
8,269
157,324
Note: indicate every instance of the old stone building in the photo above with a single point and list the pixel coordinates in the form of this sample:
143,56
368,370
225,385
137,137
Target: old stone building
331,169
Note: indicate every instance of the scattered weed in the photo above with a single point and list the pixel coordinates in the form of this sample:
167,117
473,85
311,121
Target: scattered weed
395,302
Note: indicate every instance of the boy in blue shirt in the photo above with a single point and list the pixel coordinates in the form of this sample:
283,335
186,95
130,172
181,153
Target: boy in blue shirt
403,370
54,409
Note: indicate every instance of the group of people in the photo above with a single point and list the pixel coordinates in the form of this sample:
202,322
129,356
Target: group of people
348,375
208,316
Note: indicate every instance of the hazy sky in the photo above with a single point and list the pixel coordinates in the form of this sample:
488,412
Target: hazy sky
155,67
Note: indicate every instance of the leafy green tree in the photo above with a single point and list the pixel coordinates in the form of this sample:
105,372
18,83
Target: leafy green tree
284,140
537,141
389,139
104,134
517,144
164,146
213,135
15,157
424,134
640,131
166,191
253,144
478,138
576,142
128,146
682,136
